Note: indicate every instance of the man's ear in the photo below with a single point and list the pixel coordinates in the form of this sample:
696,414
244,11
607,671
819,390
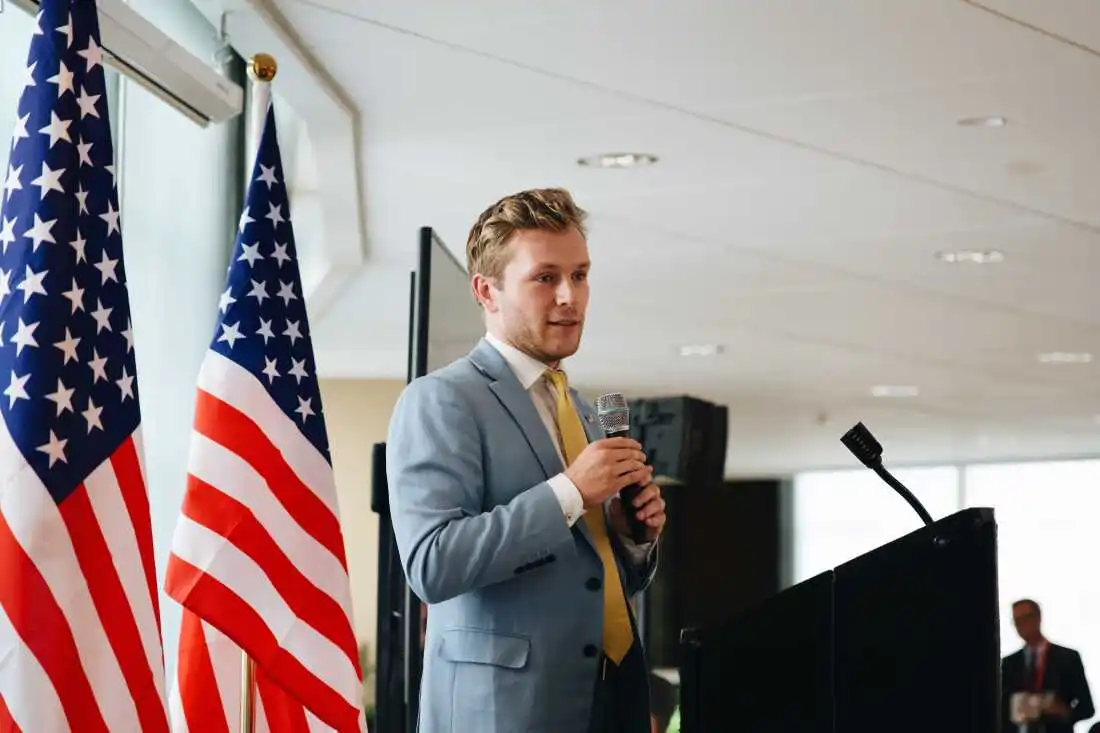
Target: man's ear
485,292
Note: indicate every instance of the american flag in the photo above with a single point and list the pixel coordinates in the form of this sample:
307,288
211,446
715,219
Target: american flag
258,556
80,644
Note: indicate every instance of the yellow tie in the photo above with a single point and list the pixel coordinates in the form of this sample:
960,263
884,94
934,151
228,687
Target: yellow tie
617,634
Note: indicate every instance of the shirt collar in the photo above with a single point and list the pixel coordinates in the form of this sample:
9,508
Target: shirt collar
1032,652
527,368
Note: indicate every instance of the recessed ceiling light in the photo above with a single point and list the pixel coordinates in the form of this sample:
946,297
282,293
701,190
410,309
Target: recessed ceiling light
989,121
972,257
894,390
1065,357
701,350
618,160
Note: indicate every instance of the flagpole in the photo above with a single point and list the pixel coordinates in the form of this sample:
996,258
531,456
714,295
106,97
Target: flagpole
261,70
248,693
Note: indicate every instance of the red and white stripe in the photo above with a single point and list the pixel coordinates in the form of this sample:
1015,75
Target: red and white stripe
258,555
80,643
208,674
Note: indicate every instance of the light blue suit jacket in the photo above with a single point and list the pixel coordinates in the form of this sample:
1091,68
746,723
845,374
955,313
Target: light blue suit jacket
516,616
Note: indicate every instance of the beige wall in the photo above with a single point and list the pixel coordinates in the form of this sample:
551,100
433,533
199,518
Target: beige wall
357,414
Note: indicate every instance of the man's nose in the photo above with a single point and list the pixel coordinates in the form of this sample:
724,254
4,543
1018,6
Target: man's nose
566,292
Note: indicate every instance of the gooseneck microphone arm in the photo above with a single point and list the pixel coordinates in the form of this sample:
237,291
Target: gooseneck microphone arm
869,451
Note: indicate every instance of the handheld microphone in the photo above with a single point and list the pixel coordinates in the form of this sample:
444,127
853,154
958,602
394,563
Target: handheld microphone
614,417
869,451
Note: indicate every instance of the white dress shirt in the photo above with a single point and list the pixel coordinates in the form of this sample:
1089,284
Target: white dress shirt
1031,658
531,375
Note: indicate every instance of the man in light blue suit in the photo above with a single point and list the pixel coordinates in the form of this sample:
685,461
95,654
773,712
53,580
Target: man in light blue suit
503,491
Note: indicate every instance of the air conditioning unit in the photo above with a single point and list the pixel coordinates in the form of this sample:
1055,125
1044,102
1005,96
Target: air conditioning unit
142,52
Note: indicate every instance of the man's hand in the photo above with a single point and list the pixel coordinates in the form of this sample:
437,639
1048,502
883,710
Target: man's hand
607,466
650,508
1057,708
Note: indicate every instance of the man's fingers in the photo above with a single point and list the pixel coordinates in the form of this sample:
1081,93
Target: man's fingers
626,454
628,467
619,444
652,509
637,476
648,494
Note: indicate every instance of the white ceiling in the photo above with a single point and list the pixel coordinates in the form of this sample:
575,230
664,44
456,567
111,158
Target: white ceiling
810,168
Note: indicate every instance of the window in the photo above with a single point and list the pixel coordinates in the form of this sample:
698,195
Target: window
1047,545
1045,516
839,515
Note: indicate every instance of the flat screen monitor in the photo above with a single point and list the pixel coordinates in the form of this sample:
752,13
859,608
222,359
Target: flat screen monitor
444,324
447,321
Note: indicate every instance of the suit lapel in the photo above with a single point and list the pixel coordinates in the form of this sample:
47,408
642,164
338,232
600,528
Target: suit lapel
515,399
588,418
518,403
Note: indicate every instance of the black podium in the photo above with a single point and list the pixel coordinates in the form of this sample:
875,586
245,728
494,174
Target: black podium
904,638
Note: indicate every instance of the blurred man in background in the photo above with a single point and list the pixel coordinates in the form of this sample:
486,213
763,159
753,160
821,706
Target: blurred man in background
1043,686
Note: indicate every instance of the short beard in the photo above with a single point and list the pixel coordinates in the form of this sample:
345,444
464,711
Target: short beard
528,344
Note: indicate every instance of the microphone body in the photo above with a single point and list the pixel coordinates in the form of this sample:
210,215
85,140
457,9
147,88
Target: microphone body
614,417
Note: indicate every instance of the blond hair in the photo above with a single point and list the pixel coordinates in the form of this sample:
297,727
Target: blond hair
547,209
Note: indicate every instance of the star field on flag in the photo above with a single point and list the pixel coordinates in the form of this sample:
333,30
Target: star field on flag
80,644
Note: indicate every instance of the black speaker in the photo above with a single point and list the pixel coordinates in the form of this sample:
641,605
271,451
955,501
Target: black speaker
720,554
684,438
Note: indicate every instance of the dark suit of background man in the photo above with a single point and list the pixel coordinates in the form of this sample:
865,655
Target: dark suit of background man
502,489
1044,667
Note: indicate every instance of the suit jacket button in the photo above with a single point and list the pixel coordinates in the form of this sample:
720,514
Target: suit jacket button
590,650
593,584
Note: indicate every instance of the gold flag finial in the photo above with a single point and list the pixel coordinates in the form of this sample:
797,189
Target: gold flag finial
262,67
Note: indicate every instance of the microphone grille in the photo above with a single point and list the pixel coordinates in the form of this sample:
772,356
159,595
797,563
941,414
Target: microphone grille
863,445
613,412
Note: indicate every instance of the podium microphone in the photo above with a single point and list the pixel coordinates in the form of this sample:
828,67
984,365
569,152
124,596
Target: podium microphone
869,451
614,417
